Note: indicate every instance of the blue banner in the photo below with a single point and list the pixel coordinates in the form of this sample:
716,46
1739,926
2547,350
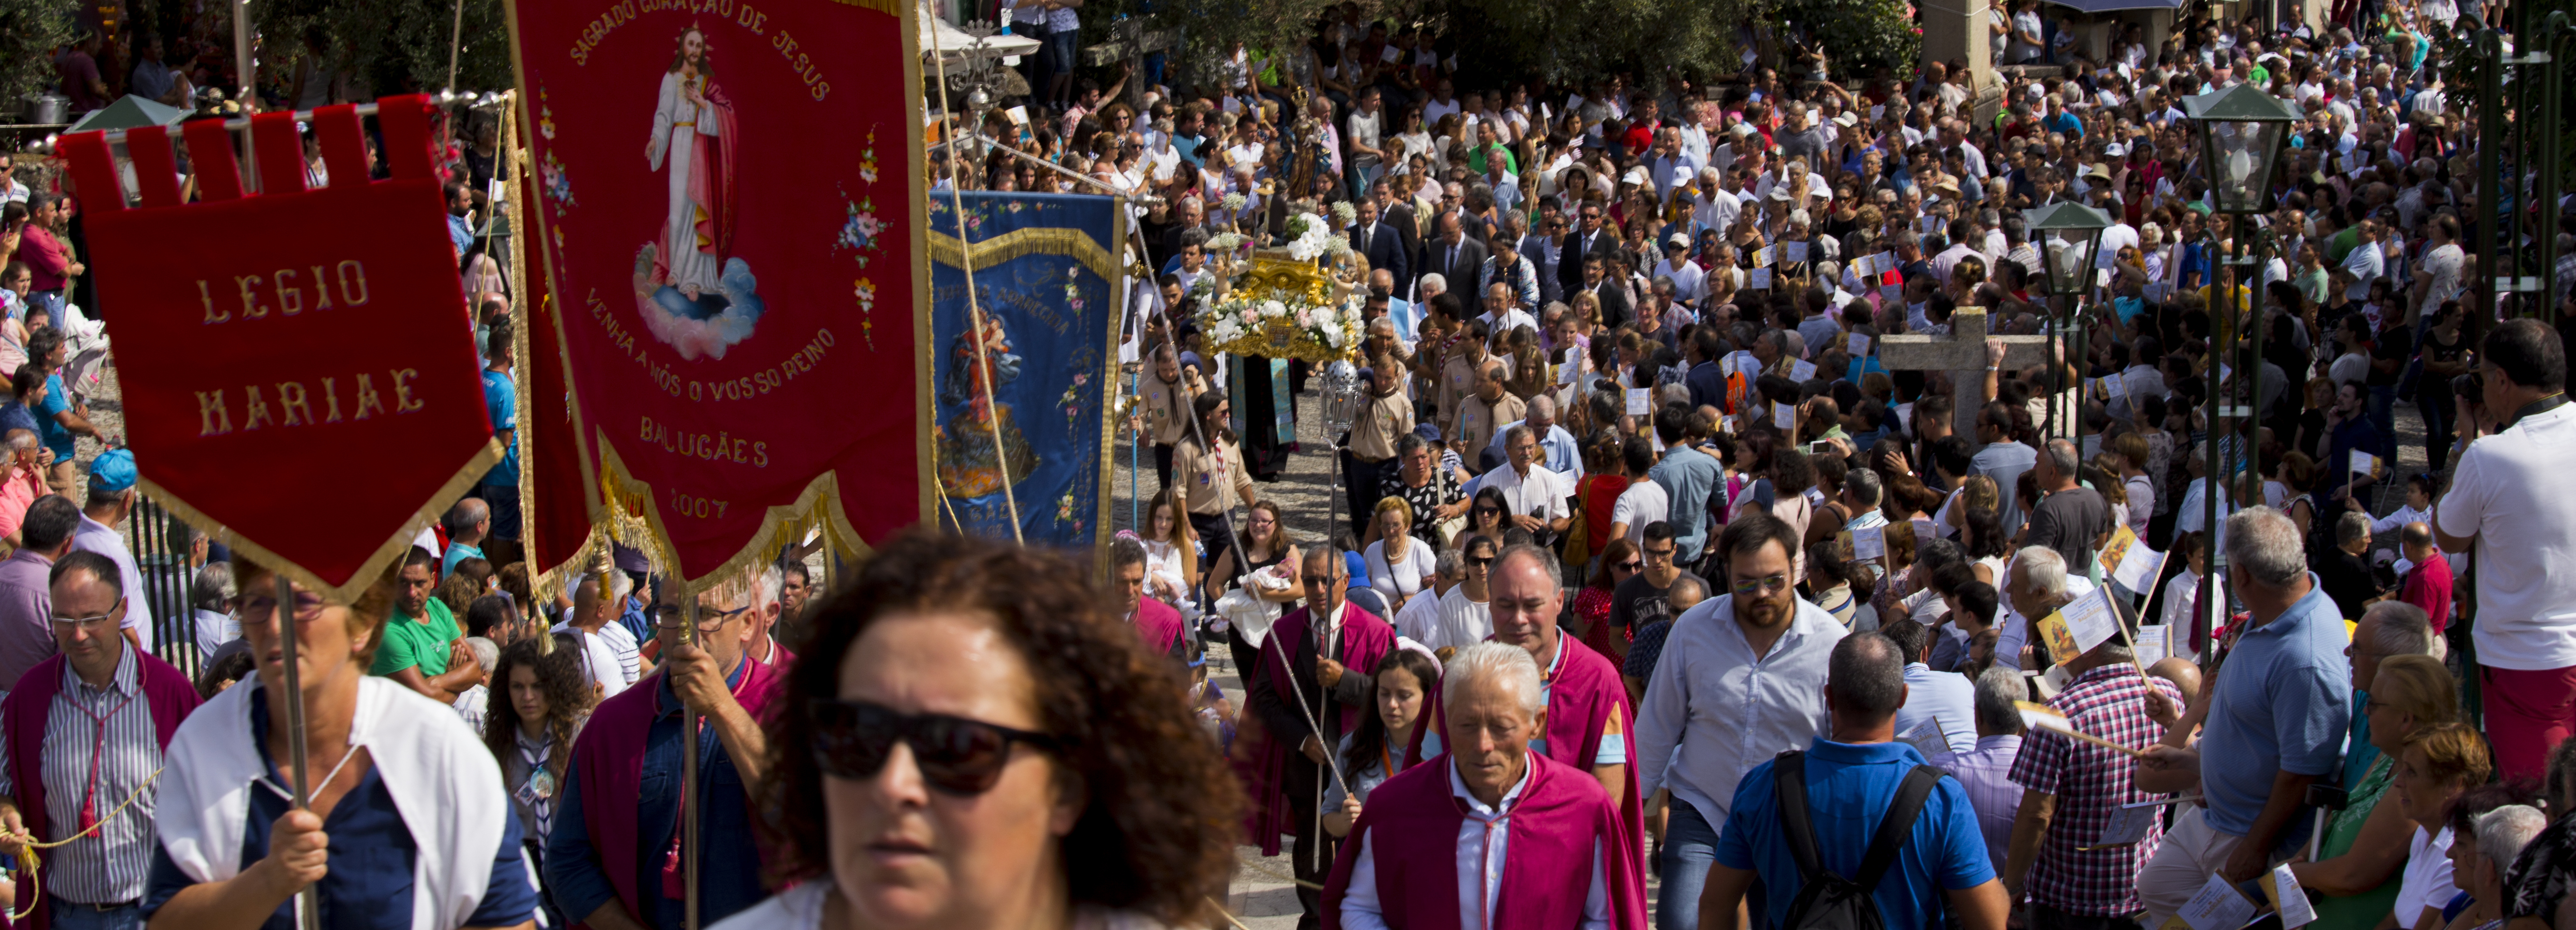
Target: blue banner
1019,415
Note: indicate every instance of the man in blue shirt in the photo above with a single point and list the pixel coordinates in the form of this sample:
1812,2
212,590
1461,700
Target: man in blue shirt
1688,474
2284,702
1851,779
500,486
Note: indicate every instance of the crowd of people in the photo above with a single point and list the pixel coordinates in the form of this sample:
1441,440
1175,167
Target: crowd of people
1655,564
1623,403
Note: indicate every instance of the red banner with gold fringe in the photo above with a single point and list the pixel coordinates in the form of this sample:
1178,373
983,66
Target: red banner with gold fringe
300,380
728,204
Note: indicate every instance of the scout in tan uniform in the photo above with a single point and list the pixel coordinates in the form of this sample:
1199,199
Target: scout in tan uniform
1164,404
1210,468
1386,417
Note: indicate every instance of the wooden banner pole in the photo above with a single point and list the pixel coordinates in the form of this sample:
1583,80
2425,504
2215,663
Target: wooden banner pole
308,902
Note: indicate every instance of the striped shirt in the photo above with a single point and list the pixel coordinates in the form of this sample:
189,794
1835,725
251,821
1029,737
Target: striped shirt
629,652
109,728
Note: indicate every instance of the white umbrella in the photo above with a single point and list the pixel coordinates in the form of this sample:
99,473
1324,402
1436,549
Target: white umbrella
955,44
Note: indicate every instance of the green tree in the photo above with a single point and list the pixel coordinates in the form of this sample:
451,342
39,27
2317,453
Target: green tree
29,32
1858,36
396,46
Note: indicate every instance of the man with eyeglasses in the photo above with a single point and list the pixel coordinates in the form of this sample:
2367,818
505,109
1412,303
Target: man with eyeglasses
80,744
1748,683
424,648
1586,240
1320,656
614,858
1646,596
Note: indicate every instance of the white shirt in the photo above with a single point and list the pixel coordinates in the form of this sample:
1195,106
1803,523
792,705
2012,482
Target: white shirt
1540,494
1723,710
1419,618
598,660
2016,627
1642,503
1410,571
2428,874
1482,836
1462,622
2506,490
2366,266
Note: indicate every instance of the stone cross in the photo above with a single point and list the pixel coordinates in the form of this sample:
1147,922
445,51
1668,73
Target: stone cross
1962,353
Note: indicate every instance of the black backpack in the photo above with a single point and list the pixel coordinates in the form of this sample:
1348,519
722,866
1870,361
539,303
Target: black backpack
1827,901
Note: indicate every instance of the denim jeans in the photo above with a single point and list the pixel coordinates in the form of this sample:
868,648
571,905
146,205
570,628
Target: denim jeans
69,916
2437,427
1690,844
2383,416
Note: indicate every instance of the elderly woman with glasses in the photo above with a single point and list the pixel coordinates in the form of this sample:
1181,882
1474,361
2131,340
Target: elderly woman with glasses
419,831
976,741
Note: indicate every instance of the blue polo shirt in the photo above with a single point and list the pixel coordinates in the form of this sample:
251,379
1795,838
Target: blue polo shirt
501,400
1849,787
372,855
2284,704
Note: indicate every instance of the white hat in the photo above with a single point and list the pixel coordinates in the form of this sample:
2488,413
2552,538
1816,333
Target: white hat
1682,174
1846,120
1780,191
2115,150
1678,239
1638,176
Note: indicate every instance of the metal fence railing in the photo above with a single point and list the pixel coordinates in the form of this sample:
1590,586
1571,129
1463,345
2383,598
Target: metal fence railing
165,551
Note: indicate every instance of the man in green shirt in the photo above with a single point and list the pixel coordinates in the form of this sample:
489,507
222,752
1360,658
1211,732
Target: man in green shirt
424,650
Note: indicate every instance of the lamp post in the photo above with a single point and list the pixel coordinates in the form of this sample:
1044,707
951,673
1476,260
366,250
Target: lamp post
978,84
2069,236
2242,129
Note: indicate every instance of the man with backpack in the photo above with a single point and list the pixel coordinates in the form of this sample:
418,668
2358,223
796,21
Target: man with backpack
1866,836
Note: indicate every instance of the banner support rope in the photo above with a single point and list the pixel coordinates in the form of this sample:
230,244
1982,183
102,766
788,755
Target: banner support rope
974,306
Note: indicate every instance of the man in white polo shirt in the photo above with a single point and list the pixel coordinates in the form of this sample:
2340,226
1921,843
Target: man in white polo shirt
2505,499
1534,497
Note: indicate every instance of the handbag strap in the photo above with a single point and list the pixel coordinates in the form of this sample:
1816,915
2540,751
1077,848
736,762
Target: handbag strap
1789,782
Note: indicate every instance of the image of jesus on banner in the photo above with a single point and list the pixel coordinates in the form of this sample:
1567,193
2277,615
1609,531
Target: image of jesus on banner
694,293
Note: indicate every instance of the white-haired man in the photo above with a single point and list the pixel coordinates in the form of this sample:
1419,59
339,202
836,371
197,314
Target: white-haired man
609,652
2035,584
1561,454
765,611
1543,829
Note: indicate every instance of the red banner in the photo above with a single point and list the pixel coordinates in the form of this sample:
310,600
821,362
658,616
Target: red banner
300,379
728,206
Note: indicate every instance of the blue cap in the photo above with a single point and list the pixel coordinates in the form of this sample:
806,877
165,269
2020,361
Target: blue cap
112,472
1428,432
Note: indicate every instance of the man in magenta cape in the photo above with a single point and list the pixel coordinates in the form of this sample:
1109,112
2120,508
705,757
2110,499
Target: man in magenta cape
1566,861
23,714
608,841
1284,772
1588,717
1156,622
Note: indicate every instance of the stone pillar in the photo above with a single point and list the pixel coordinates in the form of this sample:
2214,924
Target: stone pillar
1958,30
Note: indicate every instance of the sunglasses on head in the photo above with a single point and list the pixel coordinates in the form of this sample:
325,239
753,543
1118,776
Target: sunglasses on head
956,756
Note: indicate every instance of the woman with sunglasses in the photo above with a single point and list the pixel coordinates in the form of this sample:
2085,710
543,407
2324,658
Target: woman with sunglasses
1488,515
415,810
945,775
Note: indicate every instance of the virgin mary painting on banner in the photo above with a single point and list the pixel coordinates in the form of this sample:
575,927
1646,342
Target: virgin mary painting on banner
694,293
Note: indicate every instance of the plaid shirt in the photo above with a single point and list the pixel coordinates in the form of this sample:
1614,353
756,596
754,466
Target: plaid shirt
2089,781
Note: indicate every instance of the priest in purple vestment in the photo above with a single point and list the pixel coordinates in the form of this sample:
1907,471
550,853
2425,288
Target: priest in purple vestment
1493,835
1315,656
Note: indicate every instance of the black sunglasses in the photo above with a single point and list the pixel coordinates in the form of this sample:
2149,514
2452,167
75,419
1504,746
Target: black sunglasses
1488,511
957,756
1633,564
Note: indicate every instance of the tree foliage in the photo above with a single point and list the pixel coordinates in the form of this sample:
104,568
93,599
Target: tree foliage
1581,40
29,32
1858,36
394,46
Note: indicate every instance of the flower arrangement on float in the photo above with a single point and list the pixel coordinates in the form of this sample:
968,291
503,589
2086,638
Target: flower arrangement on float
1283,303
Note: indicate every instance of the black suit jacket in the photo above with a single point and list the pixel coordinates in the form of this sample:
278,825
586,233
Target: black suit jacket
1461,273
1614,300
1385,250
1400,216
1569,268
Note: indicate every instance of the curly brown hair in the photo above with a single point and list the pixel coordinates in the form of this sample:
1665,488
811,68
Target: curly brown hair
1158,834
568,698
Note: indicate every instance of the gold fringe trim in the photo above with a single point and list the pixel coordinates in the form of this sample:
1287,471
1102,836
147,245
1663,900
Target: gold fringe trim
528,308
635,521
342,592
1021,242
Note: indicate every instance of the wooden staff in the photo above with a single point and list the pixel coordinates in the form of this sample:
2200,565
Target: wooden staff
689,834
308,902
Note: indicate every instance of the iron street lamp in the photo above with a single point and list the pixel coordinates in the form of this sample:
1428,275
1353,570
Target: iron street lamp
2241,131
